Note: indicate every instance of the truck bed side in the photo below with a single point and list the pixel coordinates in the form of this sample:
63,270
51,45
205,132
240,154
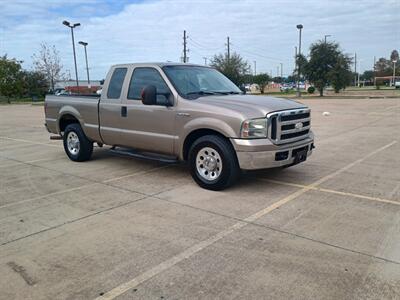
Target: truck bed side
62,110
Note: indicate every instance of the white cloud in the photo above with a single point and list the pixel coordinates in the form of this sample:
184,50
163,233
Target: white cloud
152,31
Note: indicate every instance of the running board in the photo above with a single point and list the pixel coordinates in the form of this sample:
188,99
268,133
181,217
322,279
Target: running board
144,155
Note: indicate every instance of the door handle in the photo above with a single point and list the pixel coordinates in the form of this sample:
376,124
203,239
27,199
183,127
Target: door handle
124,111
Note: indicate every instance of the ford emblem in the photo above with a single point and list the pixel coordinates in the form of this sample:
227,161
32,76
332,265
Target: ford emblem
298,125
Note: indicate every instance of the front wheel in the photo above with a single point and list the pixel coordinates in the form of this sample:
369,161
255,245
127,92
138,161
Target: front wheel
213,162
77,146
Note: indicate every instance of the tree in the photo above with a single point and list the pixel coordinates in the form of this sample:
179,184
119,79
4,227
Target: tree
368,75
323,57
383,67
262,80
10,78
394,56
48,62
301,61
327,64
35,83
233,67
340,75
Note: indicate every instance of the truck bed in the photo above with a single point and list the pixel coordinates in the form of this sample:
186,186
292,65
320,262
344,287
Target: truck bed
83,107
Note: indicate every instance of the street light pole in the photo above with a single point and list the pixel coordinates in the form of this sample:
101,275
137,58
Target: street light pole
394,72
326,35
66,23
299,27
84,44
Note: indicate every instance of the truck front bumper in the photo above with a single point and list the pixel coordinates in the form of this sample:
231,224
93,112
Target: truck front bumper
263,154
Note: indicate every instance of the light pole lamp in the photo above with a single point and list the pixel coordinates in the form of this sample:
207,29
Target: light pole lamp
84,44
299,27
72,26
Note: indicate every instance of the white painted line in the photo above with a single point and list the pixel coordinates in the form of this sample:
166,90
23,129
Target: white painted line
332,191
121,289
79,187
27,141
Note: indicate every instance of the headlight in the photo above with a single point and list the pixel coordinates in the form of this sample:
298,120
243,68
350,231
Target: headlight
256,128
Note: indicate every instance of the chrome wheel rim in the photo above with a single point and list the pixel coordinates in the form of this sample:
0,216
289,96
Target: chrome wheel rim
209,163
73,143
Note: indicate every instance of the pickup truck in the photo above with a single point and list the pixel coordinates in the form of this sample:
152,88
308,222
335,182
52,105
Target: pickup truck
183,112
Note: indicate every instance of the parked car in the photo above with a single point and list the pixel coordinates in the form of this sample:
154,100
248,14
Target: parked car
285,87
397,84
182,112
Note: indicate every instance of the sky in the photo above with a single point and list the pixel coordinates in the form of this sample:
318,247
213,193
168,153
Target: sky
152,30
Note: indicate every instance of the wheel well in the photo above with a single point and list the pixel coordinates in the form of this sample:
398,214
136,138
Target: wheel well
66,120
194,135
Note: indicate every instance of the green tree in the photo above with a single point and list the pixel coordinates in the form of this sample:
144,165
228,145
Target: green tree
233,67
323,58
35,83
327,64
394,56
301,62
340,75
262,80
368,75
11,84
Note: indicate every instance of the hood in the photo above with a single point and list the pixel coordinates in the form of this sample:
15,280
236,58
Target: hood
251,106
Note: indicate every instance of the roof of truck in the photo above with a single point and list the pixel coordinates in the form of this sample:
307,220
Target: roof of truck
159,64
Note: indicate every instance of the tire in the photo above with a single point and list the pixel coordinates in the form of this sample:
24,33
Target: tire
76,145
213,163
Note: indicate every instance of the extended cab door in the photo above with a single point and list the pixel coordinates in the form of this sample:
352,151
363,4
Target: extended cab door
148,127
110,107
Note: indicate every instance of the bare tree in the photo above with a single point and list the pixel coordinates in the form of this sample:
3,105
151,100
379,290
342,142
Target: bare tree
48,62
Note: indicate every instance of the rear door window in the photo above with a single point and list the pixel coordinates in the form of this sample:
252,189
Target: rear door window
116,82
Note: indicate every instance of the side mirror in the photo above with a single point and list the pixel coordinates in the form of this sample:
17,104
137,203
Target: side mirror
149,95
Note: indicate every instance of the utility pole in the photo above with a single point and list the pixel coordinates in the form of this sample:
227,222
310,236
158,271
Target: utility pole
205,60
281,70
184,47
228,45
355,69
277,71
255,68
374,70
394,72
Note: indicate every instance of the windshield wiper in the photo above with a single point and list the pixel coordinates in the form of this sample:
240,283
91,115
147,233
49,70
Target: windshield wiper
226,93
200,93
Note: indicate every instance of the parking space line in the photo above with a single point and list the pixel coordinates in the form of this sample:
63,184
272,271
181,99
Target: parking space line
332,191
27,141
84,186
124,287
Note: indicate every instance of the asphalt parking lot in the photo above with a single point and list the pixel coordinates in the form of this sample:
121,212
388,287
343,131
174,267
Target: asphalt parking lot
120,228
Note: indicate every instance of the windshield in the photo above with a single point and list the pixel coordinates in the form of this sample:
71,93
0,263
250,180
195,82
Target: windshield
192,82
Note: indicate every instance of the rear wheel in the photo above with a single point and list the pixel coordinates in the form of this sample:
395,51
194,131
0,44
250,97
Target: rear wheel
76,145
213,162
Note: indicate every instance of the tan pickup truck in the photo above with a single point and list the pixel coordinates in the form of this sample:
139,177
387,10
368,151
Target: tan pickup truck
180,112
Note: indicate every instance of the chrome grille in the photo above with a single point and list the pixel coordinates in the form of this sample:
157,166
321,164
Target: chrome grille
289,125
